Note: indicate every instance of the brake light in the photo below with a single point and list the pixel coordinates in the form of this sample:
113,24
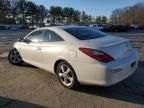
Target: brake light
97,55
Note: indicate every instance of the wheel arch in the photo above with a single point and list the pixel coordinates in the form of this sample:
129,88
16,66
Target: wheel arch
56,64
74,73
16,46
61,60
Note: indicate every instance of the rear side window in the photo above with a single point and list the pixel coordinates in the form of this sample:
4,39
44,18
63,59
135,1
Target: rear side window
51,36
84,33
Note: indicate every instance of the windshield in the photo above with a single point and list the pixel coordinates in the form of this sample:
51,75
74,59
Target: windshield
84,33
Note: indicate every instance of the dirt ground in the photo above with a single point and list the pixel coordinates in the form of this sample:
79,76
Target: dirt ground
30,87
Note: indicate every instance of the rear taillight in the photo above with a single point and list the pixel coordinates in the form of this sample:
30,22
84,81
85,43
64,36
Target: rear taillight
97,55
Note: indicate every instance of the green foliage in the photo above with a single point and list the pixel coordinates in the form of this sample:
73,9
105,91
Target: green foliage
4,8
24,10
104,20
55,13
101,20
21,11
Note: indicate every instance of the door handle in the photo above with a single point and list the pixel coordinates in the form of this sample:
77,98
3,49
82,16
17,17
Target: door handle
39,48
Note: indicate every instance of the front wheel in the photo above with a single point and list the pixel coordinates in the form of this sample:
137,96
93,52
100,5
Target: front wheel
14,57
66,75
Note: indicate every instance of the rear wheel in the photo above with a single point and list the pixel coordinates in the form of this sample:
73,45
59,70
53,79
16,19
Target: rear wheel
66,75
14,57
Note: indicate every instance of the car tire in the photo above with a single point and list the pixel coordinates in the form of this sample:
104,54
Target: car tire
66,75
15,58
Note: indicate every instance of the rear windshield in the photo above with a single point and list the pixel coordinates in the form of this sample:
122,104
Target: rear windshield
84,33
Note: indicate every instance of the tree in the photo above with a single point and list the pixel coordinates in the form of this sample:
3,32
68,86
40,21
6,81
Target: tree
98,19
31,10
26,11
21,9
76,16
4,4
84,17
42,13
89,20
55,12
129,15
69,13
13,8
103,19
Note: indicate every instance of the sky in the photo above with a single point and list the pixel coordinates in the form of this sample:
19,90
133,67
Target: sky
92,7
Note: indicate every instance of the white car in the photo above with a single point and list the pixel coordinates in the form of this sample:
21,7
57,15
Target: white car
77,55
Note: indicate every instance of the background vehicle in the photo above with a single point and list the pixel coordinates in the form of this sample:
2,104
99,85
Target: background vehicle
2,28
97,26
116,28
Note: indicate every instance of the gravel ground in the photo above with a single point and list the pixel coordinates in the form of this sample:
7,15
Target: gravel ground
31,87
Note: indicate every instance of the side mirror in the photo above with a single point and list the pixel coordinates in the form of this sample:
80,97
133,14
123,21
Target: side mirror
24,40
21,39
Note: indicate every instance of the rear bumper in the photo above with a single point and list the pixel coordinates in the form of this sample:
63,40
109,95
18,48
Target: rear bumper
115,76
106,74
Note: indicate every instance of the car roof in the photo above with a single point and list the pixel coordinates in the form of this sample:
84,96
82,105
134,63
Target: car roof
66,27
61,27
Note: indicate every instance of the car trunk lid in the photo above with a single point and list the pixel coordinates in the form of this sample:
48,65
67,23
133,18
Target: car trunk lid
114,46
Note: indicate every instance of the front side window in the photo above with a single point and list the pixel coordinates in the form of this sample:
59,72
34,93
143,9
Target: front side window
36,36
51,36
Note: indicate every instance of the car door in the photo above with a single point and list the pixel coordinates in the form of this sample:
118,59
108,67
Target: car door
53,47
30,48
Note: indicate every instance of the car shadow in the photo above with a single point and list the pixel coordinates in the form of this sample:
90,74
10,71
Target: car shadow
130,90
11,103
28,65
